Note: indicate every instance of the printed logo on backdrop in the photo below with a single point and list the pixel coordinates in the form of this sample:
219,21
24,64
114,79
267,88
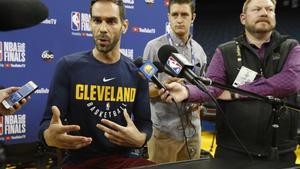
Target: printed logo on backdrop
166,2
1,125
12,54
149,2
167,27
143,30
1,52
12,127
42,91
80,24
127,52
47,56
129,4
50,21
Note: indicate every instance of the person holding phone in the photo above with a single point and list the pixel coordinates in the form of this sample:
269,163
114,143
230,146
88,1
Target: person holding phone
4,94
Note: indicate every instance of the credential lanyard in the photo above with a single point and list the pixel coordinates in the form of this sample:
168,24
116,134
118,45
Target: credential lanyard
171,42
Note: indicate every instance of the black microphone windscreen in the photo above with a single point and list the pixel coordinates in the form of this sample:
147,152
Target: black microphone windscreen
165,52
138,62
160,67
17,14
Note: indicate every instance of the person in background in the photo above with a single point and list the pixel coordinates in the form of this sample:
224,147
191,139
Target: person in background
102,99
262,61
167,143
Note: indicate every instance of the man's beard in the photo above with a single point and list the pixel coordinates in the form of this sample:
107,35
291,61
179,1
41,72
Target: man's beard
256,29
107,48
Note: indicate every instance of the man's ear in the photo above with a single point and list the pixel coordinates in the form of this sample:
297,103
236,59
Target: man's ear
193,17
124,26
243,18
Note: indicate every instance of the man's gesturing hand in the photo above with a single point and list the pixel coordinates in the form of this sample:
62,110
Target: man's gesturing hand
128,136
56,135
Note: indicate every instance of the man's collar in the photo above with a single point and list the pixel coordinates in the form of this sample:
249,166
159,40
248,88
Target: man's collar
177,41
253,44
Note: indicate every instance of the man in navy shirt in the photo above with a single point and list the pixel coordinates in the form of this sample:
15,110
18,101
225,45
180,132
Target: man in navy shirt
101,96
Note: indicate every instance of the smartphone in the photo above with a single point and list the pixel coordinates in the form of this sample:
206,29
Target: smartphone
21,93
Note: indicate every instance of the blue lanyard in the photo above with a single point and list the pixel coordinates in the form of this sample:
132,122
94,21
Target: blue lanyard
171,42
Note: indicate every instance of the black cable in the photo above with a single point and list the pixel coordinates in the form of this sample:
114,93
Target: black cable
212,142
183,128
203,88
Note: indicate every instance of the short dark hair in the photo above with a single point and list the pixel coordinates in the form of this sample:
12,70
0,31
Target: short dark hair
190,2
117,2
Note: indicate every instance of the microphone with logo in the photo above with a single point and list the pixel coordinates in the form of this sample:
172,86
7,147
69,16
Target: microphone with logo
162,68
179,65
149,71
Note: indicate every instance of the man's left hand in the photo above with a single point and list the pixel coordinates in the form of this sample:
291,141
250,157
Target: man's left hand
128,136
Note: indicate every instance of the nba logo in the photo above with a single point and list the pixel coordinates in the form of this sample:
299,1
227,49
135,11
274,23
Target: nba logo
1,52
174,65
75,21
1,125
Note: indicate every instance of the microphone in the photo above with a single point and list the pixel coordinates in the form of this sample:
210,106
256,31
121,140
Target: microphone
176,63
17,14
149,70
138,62
180,66
162,68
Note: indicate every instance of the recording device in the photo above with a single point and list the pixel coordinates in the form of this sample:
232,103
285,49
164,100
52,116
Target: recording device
162,68
177,63
21,93
149,70
138,62
17,14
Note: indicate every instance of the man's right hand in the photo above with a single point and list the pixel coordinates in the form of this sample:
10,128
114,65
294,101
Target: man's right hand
56,135
175,91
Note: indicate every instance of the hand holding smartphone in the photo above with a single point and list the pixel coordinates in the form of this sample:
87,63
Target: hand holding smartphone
23,92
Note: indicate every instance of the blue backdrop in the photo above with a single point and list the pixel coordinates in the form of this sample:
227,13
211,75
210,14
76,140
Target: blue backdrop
31,54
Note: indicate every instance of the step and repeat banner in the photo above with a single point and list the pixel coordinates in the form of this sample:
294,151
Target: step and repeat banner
32,53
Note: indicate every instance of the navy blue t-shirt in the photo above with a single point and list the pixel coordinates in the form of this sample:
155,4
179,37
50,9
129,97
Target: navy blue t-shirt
87,90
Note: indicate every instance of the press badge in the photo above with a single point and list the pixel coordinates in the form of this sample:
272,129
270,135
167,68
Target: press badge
245,75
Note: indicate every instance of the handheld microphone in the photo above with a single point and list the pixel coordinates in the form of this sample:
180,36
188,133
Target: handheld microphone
17,14
138,62
162,68
149,70
180,66
177,63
